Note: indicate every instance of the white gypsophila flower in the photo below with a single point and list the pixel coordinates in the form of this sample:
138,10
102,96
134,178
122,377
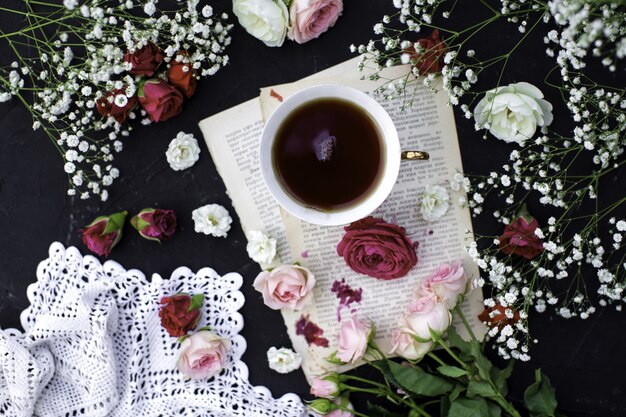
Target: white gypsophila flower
183,151
283,360
70,4
261,248
512,113
266,20
434,202
149,8
211,219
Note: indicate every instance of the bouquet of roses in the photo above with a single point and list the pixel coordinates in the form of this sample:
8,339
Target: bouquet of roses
85,70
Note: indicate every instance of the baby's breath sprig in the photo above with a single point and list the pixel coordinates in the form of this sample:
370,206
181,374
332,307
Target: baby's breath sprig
67,58
581,256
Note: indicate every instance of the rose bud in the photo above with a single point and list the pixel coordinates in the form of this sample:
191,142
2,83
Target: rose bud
310,18
447,282
102,234
202,355
354,335
327,386
287,286
342,408
519,236
322,406
427,315
144,60
182,75
427,54
155,224
116,104
160,100
180,313
373,247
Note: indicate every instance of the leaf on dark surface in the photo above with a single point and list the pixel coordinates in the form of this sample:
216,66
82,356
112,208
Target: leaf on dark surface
494,409
418,381
451,371
500,376
481,389
457,341
469,407
539,397
483,364
375,410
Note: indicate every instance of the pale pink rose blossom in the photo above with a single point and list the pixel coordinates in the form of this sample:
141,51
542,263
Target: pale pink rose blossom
353,338
287,286
425,314
324,387
202,355
310,18
407,347
447,282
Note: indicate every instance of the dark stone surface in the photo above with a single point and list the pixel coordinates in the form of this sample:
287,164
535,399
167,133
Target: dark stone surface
584,359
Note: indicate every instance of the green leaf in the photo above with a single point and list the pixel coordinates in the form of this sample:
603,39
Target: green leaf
457,341
469,407
115,223
482,363
418,381
196,301
451,371
456,391
444,405
499,377
481,389
379,411
494,409
539,398
384,368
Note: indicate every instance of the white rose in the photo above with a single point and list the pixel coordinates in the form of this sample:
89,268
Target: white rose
283,360
424,315
261,248
512,113
211,219
183,151
434,202
266,20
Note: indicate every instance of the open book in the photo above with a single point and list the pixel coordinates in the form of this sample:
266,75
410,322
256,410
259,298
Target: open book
233,138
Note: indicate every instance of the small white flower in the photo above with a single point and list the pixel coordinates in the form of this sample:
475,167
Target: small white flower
183,151
261,248
283,360
70,4
211,219
434,202
120,100
149,8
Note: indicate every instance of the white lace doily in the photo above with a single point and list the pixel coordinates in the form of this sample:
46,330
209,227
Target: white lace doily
93,346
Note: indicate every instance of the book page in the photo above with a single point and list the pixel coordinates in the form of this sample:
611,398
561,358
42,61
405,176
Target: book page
428,126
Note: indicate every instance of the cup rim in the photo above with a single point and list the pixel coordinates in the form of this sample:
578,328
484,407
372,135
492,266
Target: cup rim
392,155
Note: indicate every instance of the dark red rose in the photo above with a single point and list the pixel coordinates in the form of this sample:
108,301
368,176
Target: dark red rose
182,75
519,238
496,316
155,224
101,235
429,58
376,248
145,60
160,100
107,106
180,313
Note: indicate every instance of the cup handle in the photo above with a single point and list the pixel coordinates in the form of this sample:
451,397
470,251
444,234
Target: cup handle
414,155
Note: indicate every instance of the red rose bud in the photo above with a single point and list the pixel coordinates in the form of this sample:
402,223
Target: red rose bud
519,236
182,75
160,100
116,104
101,235
145,60
373,247
155,224
429,58
180,313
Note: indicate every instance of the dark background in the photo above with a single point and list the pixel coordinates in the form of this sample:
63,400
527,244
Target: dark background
584,359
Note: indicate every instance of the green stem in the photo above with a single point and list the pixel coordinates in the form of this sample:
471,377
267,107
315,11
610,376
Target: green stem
454,356
457,308
436,358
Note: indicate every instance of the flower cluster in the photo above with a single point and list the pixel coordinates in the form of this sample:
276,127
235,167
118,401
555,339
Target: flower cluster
532,264
105,66
271,21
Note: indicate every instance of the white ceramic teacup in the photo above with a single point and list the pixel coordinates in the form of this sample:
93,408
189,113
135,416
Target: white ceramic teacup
391,152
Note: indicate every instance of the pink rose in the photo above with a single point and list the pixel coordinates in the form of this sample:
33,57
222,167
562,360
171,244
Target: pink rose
519,238
202,355
310,18
160,100
287,286
426,314
325,387
447,282
353,338
155,224
102,234
373,247
407,347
